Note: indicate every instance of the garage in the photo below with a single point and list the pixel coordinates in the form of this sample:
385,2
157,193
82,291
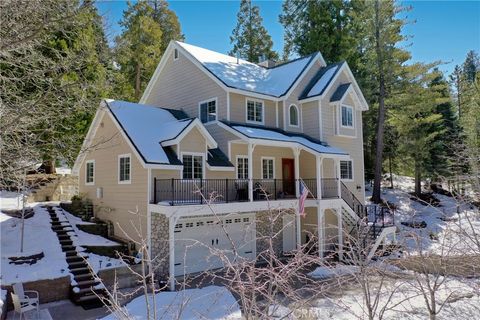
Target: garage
197,238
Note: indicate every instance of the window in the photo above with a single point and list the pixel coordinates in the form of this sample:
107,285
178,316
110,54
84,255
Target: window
90,172
267,168
192,167
254,111
242,167
124,168
293,111
347,116
346,170
208,111
175,54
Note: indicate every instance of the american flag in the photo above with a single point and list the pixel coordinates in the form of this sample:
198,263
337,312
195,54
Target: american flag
303,196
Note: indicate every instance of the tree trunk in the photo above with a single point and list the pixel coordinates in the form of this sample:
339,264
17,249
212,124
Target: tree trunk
376,198
137,80
390,169
418,179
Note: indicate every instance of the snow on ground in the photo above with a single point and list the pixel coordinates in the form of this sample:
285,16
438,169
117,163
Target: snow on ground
3,298
445,229
39,237
406,302
212,302
337,270
10,200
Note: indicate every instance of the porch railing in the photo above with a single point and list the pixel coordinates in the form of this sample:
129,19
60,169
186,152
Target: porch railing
200,191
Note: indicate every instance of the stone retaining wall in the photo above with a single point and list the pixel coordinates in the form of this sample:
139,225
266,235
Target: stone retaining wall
49,290
124,277
160,244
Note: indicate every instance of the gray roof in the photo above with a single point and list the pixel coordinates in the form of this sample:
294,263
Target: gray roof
340,92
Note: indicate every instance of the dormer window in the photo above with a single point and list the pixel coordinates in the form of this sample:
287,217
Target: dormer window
347,116
255,111
293,112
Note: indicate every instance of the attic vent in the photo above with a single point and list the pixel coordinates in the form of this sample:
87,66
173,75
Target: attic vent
175,54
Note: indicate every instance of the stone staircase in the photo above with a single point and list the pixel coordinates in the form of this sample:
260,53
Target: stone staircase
86,288
52,187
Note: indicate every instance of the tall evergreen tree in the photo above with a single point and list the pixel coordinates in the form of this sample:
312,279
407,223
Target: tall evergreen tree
250,39
148,27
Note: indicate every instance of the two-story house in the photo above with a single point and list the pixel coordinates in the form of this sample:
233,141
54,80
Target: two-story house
243,134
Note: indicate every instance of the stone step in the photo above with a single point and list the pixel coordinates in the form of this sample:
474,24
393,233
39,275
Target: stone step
87,283
71,253
68,248
77,264
83,277
81,270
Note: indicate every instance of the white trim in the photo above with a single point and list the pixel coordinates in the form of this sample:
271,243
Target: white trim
236,165
186,153
214,168
353,173
228,106
247,99
320,120
319,57
121,156
273,168
162,166
290,118
341,116
149,213
200,110
86,173
276,114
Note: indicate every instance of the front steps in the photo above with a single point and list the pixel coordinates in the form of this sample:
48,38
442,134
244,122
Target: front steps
86,289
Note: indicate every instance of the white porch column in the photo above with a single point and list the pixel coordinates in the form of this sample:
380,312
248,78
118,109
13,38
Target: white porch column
321,230
299,230
171,249
318,170
296,153
340,233
251,147
339,190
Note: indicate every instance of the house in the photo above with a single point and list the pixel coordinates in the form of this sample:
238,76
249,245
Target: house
247,136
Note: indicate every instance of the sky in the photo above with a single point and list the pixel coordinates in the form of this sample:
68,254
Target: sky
438,30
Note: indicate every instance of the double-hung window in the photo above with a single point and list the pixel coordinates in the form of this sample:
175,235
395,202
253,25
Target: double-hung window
346,170
255,111
208,111
242,168
90,172
192,166
268,168
347,116
124,168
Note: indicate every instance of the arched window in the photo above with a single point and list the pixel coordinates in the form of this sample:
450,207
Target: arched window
293,115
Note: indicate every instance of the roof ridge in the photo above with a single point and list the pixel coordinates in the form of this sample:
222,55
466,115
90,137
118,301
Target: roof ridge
293,60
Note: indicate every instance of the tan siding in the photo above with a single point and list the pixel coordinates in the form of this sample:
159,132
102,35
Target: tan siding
182,85
311,125
238,109
118,199
194,141
308,167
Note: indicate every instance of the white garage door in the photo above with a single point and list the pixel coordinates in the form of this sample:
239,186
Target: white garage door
197,239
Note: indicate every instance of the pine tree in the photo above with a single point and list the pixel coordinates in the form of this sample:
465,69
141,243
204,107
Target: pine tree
416,119
471,66
149,26
250,39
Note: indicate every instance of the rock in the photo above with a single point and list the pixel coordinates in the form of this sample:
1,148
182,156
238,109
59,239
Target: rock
415,224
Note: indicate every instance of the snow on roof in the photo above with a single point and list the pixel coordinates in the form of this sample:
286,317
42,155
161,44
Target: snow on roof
147,126
321,81
277,135
248,76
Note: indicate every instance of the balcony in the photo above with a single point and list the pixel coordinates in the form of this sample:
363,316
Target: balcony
200,191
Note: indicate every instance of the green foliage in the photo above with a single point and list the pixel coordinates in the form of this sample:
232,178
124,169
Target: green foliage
149,26
250,39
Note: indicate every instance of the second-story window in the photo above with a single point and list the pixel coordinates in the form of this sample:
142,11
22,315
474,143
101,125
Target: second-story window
255,111
192,166
242,167
268,168
208,111
124,168
90,172
293,112
346,170
347,116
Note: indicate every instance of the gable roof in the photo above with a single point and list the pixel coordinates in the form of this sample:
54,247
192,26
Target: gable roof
243,75
318,84
216,158
340,92
275,134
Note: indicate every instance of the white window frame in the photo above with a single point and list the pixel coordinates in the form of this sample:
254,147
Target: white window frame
86,173
340,164
241,157
247,100
273,167
198,154
290,118
121,156
341,116
200,110
176,54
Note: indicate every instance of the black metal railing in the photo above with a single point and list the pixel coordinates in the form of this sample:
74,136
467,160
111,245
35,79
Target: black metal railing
200,191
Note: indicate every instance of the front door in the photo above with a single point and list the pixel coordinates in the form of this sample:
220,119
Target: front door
288,176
